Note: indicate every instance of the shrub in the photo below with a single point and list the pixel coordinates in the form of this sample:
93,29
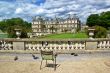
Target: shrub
100,32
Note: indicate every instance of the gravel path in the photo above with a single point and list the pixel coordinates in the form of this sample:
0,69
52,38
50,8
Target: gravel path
61,57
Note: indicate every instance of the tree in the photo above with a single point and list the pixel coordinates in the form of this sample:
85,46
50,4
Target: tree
92,20
3,26
102,19
23,34
9,26
11,32
100,32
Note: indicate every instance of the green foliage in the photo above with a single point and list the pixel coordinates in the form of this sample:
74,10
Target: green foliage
102,19
11,32
100,32
92,20
24,34
9,26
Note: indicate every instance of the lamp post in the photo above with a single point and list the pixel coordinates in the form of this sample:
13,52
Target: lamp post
91,32
18,33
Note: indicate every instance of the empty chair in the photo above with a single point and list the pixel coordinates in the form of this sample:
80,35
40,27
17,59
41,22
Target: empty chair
48,55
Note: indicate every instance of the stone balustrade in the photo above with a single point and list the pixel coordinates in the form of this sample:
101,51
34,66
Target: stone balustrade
103,44
55,44
6,45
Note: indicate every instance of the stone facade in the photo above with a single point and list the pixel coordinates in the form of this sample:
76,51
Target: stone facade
43,26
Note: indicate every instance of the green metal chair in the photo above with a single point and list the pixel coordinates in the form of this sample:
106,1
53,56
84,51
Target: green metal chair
48,55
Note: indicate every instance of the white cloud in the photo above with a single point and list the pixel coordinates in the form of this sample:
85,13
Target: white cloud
103,10
40,11
83,8
18,10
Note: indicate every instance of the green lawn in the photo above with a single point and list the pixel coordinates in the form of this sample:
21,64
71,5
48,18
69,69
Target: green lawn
56,36
3,35
67,35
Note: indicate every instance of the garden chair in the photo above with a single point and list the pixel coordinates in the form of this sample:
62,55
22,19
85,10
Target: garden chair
48,55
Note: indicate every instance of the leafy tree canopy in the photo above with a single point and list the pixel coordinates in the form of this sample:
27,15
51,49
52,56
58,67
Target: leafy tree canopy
100,32
102,19
9,26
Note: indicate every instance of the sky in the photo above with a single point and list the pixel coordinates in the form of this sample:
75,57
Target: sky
27,9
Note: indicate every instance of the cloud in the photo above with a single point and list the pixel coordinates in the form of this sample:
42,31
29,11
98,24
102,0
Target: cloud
50,8
18,10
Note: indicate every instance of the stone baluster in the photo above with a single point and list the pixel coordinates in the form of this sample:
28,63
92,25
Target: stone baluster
73,45
80,46
68,47
108,44
37,47
11,46
59,47
41,47
104,44
76,45
83,45
30,46
54,46
50,46
64,47
4,45
34,47
100,44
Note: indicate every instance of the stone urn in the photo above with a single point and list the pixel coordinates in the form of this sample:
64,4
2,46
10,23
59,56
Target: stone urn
91,32
18,33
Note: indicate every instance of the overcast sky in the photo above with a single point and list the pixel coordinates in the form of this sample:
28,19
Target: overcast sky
49,8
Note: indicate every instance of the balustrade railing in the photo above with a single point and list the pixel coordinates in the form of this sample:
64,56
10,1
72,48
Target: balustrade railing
105,44
6,45
56,44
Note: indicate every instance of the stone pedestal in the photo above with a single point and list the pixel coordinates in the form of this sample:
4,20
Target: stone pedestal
18,45
91,45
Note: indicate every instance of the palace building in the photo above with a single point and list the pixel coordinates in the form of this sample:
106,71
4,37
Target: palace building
44,26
